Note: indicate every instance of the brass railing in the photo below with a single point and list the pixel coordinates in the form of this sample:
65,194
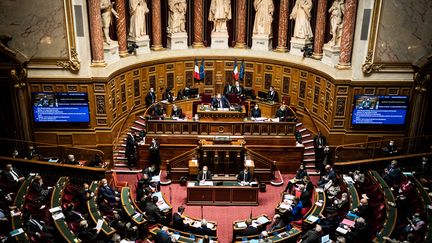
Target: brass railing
378,149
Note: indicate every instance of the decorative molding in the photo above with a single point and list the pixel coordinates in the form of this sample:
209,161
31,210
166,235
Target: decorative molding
73,64
368,65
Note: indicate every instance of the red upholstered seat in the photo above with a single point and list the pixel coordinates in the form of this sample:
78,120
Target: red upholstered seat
71,189
68,197
118,184
304,211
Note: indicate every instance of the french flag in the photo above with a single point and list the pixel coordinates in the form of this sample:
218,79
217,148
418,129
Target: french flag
235,71
196,71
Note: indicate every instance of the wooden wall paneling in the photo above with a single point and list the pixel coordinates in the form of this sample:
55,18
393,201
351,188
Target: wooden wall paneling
60,88
268,81
286,82
357,91
405,91
381,91
369,90
64,139
393,91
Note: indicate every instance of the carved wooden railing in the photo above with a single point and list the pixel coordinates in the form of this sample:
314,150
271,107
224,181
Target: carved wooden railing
45,151
177,163
312,119
52,171
120,131
376,149
260,159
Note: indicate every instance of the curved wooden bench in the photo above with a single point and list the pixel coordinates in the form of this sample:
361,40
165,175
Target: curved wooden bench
56,201
184,236
94,211
128,204
17,221
391,215
280,235
426,202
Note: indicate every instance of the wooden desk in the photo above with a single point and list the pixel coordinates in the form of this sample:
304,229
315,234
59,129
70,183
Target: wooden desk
163,205
238,230
268,109
94,211
56,201
193,223
229,193
280,235
186,105
184,236
221,115
129,207
317,210
17,222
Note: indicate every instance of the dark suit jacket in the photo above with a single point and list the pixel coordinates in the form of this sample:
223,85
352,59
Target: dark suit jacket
255,112
225,103
203,230
305,198
87,235
131,142
82,196
318,141
150,99
200,176
311,237
73,162
158,110
153,213
71,216
107,193
162,237
178,223
167,95
282,114
8,176
228,89
38,189
365,211
178,113
250,230
238,91
242,176
273,96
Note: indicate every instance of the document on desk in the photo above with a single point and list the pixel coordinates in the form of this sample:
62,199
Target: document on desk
55,209
206,183
263,220
312,218
341,230
16,232
99,224
241,225
348,179
155,179
58,216
191,184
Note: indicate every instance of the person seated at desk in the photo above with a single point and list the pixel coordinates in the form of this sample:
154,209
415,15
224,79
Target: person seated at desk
278,223
329,176
244,175
167,95
177,220
107,193
392,174
150,97
85,233
204,175
300,174
272,95
203,229
152,211
84,194
364,210
158,110
37,228
13,176
220,102
148,174
256,111
72,215
39,189
284,114
177,112
391,148
250,229
313,235
163,236
360,232
71,160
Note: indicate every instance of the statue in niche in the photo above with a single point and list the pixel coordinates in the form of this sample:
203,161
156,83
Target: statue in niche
263,17
301,13
106,12
138,10
336,11
220,13
177,16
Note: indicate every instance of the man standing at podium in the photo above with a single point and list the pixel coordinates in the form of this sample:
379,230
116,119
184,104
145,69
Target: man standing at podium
272,95
244,175
220,102
204,175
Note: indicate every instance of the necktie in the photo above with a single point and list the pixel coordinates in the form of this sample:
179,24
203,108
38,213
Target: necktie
244,177
37,224
204,176
220,104
14,175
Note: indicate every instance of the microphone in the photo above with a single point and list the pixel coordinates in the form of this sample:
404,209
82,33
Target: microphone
202,212
170,191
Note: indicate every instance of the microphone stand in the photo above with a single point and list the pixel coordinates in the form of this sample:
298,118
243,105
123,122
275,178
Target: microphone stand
170,192
202,211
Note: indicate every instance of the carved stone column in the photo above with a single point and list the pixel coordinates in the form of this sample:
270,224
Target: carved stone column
283,26
241,24
198,24
347,34
320,29
19,76
96,36
156,26
121,27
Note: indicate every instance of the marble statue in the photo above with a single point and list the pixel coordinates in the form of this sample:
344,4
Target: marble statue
263,17
336,11
177,16
220,13
138,10
301,13
106,11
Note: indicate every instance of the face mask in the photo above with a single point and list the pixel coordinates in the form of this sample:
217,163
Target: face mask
205,171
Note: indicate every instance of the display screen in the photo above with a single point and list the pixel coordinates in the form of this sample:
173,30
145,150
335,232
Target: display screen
60,107
379,110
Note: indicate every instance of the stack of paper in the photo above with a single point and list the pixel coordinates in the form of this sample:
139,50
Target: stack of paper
263,220
241,224
341,230
191,184
136,215
58,216
16,232
312,218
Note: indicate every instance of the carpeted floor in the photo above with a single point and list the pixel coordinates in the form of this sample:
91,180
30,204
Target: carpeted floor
223,215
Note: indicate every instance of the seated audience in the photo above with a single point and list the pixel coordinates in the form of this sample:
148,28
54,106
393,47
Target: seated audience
305,197
96,162
167,95
313,235
38,188
158,110
342,202
297,207
71,160
204,175
364,210
152,211
359,177
72,215
391,148
333,190
244,175
177,220
148,178
250,229
265,237
424,170
13,176
84,194
360,232
107,193
177,112
31,153
203,229
392,174
283,113
300,174
37,228
256,111
86,234
330,175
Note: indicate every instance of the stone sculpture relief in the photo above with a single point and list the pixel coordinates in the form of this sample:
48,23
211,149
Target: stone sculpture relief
177,16
220,13
301,13
107,11
138,10
263,17
336,11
